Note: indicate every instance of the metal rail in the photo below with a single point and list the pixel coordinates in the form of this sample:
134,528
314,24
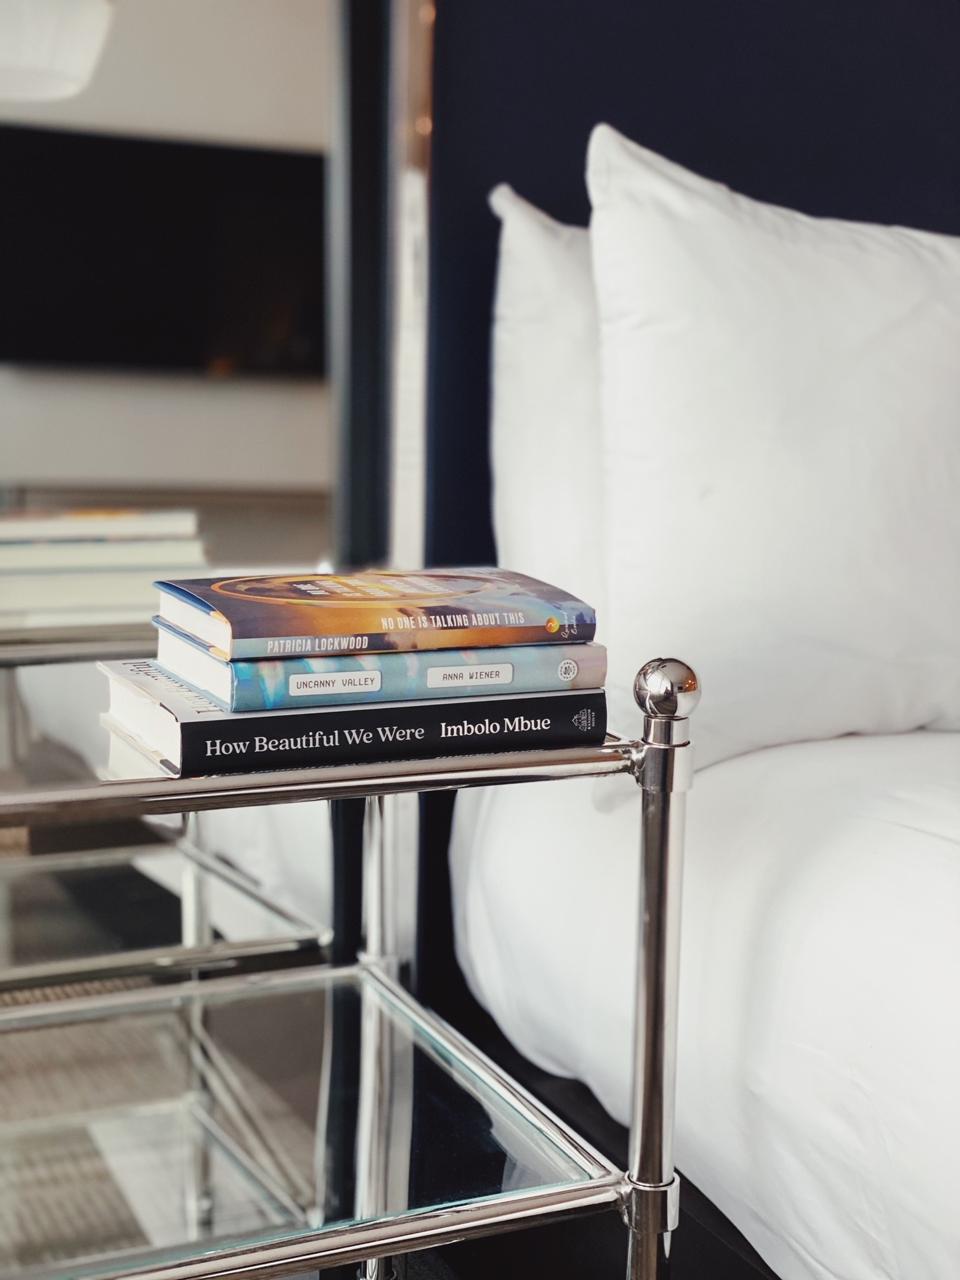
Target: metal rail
102,801
406,1233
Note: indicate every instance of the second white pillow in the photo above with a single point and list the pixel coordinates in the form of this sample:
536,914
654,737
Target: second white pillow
545,430
782,457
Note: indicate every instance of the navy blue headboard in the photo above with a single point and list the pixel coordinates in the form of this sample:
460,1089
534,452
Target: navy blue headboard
848,108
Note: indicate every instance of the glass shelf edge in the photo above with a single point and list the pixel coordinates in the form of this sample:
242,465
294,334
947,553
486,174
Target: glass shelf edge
158,962
406,1233
175,995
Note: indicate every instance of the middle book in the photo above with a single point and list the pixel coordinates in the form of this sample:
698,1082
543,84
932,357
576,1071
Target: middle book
289,683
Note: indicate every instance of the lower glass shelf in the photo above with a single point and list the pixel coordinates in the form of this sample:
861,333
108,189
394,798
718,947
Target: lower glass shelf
317,1116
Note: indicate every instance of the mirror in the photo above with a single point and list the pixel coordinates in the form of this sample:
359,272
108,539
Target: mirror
212,346
164,330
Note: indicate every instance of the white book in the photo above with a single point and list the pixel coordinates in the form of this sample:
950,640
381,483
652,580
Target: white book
100,589
59,624
84,525
106,553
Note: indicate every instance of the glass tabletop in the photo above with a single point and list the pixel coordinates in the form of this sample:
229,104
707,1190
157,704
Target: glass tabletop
148,1128
59,762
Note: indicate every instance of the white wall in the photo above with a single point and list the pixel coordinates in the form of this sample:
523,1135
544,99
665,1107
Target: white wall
254,72
244,71
163,431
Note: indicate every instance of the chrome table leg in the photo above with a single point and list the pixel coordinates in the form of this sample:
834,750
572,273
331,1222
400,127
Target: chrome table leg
377,1269
666,691
196,930
376,1102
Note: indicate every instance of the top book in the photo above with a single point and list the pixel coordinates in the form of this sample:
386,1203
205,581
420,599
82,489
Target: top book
373,612
95,524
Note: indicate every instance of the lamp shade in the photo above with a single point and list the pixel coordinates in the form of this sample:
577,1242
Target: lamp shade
50,48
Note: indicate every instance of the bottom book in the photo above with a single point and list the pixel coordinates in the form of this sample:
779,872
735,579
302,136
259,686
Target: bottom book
191,736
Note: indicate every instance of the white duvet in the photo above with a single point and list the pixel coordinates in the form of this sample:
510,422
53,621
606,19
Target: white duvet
819,1069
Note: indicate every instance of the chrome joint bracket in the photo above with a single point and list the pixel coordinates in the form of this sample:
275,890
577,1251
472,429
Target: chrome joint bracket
664,767
651,1210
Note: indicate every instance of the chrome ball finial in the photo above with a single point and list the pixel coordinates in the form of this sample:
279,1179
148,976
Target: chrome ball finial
666,687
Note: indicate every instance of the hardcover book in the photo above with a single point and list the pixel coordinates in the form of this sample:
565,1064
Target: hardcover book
35,625
280,616
156,555
278,683
86,524
185,732
96,589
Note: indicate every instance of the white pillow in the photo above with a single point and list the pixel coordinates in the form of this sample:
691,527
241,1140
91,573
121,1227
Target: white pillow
781,401
545,430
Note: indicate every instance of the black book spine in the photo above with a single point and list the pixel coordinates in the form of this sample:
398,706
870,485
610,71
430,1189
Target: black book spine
410,731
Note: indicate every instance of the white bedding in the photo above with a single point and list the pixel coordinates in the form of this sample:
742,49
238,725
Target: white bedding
818,1097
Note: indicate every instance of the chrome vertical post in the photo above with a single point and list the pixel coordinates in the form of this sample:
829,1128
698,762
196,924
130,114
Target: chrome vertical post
666,691
375,1100
379,941
196,930
374,1111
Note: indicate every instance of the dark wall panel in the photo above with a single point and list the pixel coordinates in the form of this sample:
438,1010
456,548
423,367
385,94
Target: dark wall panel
849,108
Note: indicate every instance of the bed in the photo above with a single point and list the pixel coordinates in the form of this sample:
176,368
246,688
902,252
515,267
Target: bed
819,1038
822,896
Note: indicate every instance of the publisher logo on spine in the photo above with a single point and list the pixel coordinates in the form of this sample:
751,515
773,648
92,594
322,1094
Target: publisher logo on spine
585,720
567,669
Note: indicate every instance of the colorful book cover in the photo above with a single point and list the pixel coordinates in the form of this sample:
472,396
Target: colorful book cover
276,616
187,733
271,684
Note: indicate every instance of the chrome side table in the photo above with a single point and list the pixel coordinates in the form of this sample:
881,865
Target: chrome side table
217,1142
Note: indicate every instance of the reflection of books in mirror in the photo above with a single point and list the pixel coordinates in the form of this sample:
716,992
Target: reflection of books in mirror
106,589
143,553
64,624
85,524
177,725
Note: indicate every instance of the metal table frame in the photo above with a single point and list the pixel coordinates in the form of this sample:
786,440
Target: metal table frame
647,1192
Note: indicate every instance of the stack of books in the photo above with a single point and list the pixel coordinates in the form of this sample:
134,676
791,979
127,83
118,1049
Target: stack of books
90,568
287,672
